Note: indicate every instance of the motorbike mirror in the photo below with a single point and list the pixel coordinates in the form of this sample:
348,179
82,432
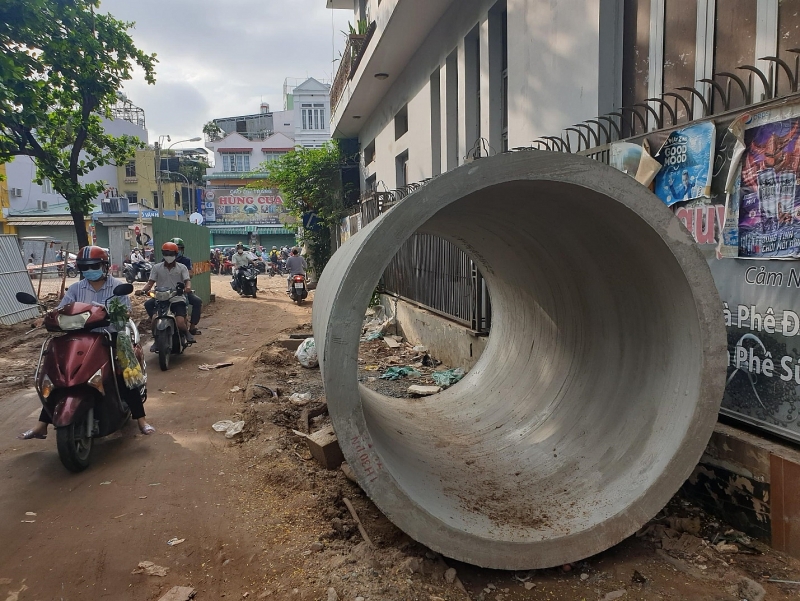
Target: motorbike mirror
123,290
26,299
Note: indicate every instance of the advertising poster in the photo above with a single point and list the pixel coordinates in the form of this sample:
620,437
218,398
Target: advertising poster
762,317
687,159
767,195
634,160
243,206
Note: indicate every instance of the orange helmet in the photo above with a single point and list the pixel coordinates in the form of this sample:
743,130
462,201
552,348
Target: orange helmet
89,256
169,249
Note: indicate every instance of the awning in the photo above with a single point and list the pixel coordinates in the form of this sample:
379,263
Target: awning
22,222
261,230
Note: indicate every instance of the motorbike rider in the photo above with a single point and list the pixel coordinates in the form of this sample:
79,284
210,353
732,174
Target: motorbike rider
194,300
240,260
137,261
274,257
96,286
296,265
169,274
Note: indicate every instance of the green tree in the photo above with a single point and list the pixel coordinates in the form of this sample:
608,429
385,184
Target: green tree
61,67
212,131
310,180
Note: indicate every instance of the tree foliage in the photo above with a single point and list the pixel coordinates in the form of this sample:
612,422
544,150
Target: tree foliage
61,67
310,180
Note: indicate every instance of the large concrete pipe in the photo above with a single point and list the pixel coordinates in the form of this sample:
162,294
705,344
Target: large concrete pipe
598,389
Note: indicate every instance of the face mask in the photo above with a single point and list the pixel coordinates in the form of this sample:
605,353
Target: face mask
169,260
93,274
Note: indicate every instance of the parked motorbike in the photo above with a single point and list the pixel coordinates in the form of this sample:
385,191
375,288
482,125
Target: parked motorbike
227,267
247,283
132,274
76,377
297,289
168,338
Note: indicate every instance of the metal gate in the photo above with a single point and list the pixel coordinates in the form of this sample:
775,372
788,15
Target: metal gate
196,238
14,278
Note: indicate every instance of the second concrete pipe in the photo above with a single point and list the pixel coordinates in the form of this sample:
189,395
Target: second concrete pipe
598,389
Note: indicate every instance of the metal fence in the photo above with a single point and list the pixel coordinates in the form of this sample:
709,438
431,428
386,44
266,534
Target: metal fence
428,271
198,247
14,278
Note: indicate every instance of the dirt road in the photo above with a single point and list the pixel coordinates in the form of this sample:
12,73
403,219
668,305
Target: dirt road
90,530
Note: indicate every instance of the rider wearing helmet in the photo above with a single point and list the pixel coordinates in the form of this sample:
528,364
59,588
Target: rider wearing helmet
169,274
96,286
194,300
240,260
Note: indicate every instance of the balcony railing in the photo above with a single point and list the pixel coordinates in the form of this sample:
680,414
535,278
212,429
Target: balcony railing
351,58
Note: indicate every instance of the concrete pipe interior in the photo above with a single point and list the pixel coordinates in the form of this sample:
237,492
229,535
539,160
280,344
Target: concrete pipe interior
598,389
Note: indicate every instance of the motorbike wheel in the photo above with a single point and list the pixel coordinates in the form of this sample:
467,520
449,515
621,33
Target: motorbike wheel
129,278
164,348
71,273
74,446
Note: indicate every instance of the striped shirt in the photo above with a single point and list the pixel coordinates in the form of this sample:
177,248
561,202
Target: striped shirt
83,292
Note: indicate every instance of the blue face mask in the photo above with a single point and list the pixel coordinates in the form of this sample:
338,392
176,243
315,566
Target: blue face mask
93,274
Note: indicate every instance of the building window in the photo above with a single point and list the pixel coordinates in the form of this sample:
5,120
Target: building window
401,164
133,197
155,200
235,162
271,156
313,116
130,169
369,153
371,183
401,122
47,186
436,123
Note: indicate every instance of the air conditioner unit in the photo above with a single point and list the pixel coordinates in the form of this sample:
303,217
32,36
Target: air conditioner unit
41,205
16,192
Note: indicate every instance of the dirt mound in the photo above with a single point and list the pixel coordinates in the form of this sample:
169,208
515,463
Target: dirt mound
274,354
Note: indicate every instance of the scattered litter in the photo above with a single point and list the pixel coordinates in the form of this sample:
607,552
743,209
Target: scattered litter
209,367
420,349
155,484
235,429
235,389
530,585
151,569
448,377
106,482
144,497
28,521
723,547
170,392
614,595
783,581
272,391
300,399
122,515
395,373
391,342
375,335
222,426
371,367
353,513
175,541
418,390
30,513
306,353
179,593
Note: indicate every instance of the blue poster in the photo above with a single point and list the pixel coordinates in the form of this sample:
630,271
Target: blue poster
687,158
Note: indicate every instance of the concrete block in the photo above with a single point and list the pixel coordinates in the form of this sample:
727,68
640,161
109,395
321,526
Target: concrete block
423,390
179,593
324,447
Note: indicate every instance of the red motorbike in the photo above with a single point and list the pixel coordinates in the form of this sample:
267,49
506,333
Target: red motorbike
297,288
76,377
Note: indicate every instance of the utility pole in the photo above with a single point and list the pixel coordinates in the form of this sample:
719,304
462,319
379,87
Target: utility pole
158,180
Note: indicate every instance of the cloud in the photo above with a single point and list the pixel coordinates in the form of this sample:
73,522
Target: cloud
219,59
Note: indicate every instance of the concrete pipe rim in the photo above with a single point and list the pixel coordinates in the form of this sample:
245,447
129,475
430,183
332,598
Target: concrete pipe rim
344,293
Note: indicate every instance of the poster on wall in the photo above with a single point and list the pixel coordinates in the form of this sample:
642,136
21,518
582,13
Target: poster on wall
762,318
687,159
242,206
635,160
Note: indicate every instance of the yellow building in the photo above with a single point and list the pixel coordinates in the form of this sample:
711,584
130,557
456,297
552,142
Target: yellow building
4,204
137,181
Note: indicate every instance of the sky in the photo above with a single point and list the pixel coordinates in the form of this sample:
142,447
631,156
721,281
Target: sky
221,58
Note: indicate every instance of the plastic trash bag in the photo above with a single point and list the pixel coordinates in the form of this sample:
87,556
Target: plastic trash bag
223,425
395,373
448,377
234,430
374,335
306,353
300,399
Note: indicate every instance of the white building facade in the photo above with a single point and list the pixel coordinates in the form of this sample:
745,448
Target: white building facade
437,81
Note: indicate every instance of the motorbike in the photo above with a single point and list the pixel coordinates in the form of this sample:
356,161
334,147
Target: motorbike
132,274
72,270
76,377
227,267
297,289
168,338
247,284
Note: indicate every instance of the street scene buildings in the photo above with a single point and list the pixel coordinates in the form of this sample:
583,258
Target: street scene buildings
498,305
